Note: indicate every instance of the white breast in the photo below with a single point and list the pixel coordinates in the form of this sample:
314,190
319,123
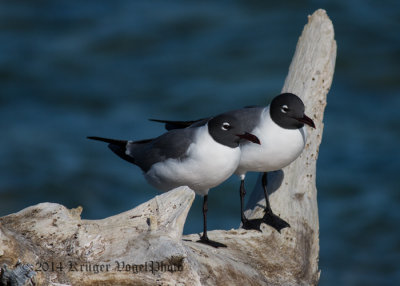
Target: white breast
206,165
279,147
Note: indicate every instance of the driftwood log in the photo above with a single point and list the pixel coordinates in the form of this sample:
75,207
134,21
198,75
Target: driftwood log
48,244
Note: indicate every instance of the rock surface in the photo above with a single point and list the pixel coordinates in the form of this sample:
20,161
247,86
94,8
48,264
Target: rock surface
144,246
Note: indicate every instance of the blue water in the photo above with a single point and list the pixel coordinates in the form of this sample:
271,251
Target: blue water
72,69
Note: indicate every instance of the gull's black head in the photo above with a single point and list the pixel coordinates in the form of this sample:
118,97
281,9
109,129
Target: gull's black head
228,130
287,110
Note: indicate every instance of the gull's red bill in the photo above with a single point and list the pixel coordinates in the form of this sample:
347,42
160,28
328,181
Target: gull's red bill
307,120
250,137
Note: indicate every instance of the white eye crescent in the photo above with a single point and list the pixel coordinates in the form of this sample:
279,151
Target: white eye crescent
284,108
226,126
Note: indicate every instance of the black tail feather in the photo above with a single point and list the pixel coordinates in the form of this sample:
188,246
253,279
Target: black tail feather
107,140
117,146
170,125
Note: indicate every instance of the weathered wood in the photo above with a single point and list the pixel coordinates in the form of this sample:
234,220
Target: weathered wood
310,76
144,246
21,274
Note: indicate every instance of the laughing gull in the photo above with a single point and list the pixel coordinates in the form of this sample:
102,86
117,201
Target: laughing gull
200,157
280,128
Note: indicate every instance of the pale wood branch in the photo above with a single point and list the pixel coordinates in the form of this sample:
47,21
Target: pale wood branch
144,246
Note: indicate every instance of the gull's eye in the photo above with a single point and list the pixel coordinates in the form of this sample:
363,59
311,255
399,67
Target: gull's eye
284,108
226,126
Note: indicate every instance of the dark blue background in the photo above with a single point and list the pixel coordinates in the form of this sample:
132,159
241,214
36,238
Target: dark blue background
69,69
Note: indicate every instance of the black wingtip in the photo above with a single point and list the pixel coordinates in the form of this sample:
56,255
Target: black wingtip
117,146
107,140
157,120
99,139
171,124
93,137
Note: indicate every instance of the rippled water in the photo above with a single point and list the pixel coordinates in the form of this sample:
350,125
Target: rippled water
68,70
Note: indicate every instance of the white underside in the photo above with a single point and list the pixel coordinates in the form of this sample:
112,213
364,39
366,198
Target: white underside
279,147
206,165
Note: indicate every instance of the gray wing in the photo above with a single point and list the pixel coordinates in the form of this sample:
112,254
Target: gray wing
249,117
172,144
171,124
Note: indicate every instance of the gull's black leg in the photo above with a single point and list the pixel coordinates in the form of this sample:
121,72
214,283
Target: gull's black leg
264,181
247,223
269,217
242,193
204,238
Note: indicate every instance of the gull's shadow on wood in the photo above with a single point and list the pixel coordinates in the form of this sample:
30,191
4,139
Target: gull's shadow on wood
212,243
209,242
270,219
275,180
